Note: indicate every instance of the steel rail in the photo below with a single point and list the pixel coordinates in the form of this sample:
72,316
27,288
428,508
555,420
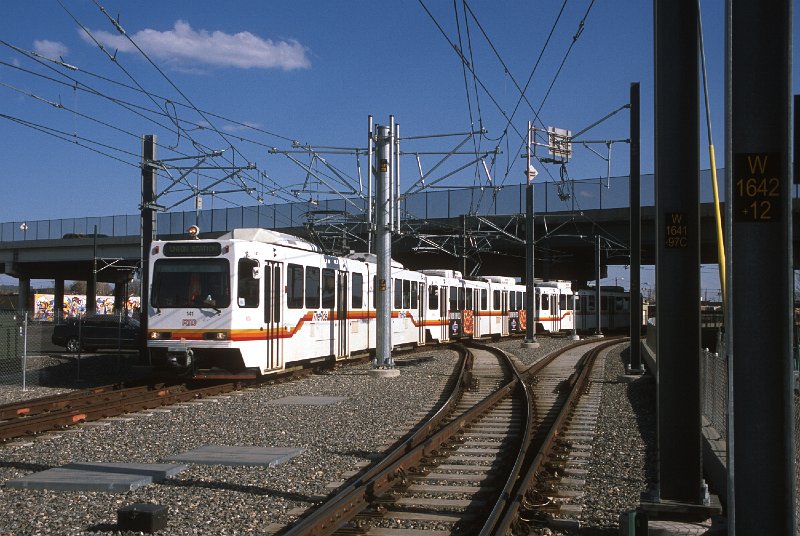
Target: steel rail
524,482
139,401
379,478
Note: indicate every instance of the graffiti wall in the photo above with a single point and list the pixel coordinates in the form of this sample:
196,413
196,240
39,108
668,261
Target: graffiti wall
75,305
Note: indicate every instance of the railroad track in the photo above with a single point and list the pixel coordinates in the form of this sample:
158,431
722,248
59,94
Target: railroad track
32,417
475,467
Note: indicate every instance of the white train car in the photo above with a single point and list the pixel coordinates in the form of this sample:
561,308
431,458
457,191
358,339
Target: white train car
614,309
554,306
253,301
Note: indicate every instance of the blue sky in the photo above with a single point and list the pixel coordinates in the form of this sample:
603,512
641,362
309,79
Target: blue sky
247,76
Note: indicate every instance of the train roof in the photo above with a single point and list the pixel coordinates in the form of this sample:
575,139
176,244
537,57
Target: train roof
267,236
442,272
371,258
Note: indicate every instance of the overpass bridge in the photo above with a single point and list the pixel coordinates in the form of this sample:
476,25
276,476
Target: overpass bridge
479,230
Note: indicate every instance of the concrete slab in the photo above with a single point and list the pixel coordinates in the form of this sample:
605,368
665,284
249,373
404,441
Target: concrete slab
158,471
306,401
85,476
384,373
223,455
61,479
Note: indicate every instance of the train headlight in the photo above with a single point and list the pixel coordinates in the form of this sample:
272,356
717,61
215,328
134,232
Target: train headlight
159,335
215,336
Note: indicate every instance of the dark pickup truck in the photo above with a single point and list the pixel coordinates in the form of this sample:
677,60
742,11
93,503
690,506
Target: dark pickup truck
96,332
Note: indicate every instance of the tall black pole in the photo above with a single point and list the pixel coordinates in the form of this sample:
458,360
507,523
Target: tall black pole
635,364
598,330
677,172
530,289
148,214
761,281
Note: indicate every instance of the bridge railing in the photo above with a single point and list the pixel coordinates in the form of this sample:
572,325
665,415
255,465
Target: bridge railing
567,196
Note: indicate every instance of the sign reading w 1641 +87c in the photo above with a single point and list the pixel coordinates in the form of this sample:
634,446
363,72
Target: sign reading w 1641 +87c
757,188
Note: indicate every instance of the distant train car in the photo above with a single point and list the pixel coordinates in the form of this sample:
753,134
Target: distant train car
614,309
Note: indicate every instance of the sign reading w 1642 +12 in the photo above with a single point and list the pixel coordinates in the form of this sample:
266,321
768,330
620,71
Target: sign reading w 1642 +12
757,193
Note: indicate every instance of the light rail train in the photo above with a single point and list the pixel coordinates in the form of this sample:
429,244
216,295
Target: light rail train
255,301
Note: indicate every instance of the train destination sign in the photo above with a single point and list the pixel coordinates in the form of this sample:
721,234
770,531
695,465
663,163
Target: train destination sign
677,230
757,194
192,249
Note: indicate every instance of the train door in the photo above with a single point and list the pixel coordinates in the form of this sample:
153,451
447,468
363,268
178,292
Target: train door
504,311
443,316
343,335
272,314
421,312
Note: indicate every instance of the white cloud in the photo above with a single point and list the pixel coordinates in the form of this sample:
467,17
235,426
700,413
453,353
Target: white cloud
50,49
183,47
240,128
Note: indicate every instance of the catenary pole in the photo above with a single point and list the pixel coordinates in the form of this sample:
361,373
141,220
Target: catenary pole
635,359
148,227
383,247
530,290
761,275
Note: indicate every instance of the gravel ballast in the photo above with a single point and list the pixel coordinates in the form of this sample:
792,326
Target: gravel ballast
337,439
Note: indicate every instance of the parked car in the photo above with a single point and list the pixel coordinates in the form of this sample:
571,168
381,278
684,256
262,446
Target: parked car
97,331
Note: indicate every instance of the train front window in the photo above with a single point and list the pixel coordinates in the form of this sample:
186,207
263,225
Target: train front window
191,283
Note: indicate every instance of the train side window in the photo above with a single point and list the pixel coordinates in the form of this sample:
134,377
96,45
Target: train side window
468,303
520,300
484,299
545,302
604,303
414,295
294,284
398,293
277,294
433,297
247,288
590,305
312,287
496,300
562,298
453,303
358,291
626,304
461,305
512,301
406,293
328,288
570,301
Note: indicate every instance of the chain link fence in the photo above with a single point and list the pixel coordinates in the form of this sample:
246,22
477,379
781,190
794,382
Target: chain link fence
714,377
32,365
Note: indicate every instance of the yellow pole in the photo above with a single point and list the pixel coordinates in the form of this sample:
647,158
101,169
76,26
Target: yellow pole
718,217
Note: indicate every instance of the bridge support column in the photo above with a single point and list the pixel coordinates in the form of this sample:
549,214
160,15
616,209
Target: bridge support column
24,299
120,296
91,296
58,301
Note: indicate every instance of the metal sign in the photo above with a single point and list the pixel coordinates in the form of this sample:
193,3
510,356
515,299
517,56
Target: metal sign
192,249
757,188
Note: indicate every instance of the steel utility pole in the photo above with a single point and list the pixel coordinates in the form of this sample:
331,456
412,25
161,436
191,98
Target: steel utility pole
530,289
148,228
635,360
759,81
383,248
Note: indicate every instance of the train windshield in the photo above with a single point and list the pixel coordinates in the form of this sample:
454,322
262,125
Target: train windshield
191,283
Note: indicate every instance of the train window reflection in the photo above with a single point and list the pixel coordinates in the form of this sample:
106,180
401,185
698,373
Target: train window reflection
248,286
191,283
